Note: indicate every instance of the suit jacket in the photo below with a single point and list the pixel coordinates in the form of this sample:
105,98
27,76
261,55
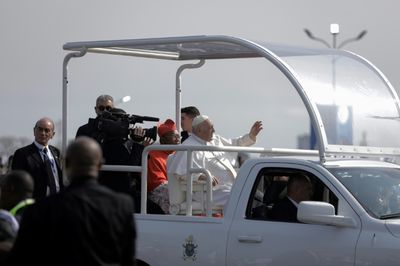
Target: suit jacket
28,158
284,210
86,224
85,130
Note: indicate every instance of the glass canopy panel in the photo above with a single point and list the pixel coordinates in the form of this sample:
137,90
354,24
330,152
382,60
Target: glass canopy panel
356,105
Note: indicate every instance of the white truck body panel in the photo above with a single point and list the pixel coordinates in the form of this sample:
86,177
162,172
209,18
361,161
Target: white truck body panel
237,240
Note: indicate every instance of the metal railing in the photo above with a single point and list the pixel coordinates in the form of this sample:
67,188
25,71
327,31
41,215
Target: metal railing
190,149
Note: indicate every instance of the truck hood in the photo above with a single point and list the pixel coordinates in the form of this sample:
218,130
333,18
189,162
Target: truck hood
394,227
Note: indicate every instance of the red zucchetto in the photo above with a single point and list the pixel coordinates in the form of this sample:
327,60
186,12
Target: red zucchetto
166,127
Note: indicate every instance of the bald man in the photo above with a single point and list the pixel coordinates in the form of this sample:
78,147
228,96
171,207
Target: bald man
86,224
41,160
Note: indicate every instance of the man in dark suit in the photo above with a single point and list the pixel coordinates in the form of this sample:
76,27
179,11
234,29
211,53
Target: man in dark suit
86,224
41,160
187,115
299,188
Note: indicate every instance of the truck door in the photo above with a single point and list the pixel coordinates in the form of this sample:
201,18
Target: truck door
256,239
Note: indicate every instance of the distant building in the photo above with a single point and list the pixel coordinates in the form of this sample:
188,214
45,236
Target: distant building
303,141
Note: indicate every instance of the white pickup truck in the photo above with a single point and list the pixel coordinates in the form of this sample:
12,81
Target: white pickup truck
352,220
354,215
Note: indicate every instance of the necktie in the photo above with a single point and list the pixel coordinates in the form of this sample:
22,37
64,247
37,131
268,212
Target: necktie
48,165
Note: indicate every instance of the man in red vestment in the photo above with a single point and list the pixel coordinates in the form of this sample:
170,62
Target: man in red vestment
157,181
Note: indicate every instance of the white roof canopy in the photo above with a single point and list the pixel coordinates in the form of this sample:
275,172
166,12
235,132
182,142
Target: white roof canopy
352,106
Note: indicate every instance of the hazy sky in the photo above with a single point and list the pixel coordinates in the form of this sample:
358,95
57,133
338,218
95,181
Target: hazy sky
33,32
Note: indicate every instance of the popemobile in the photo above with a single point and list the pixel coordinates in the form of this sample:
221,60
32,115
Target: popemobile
353,217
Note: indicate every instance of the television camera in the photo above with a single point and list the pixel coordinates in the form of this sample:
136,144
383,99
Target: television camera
116,124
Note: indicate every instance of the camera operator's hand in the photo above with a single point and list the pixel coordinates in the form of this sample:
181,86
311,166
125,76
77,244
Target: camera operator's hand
138,131
147,141
137,134
144,136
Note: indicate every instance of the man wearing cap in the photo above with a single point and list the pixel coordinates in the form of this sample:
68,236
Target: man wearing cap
190,112
217,163
157,181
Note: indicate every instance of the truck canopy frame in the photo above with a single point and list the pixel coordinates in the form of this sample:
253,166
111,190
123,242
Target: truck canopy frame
343,93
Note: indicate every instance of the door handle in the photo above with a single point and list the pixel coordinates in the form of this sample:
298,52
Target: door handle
250,239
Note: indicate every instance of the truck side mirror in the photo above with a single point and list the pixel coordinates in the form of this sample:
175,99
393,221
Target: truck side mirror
317,212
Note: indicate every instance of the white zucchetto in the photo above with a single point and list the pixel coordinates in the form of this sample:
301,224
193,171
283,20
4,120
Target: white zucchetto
199,119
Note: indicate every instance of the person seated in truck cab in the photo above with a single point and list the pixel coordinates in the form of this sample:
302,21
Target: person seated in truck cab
299,188
222,171
274,188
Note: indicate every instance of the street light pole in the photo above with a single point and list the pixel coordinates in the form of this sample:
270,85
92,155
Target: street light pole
358,37
312,37
334,30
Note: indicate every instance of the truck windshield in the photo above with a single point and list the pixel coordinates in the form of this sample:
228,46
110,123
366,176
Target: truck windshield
376,189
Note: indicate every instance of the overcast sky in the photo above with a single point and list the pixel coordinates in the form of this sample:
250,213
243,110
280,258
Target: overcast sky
33,32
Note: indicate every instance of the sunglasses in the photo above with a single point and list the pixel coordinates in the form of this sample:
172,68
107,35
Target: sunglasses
102,108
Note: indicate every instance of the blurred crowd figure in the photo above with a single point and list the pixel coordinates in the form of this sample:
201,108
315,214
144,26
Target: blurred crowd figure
16,188
8,232
16,191
2,166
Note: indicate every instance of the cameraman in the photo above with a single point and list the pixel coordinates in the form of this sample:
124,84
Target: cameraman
103,103
118,149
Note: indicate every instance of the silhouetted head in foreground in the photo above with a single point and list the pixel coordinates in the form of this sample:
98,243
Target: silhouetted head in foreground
83,158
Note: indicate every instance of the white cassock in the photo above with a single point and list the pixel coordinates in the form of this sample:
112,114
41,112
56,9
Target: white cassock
217,163
243,141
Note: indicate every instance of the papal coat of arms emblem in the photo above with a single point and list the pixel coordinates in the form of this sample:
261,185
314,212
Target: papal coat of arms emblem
189,251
